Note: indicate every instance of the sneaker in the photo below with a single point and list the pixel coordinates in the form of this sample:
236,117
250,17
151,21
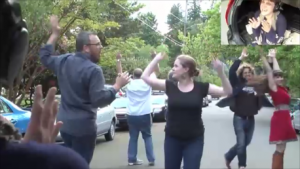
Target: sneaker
151,164
242,167
138,162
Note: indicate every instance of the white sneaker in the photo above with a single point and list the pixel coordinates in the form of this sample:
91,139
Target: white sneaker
138,162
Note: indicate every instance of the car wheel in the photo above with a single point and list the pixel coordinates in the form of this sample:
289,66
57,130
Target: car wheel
109,136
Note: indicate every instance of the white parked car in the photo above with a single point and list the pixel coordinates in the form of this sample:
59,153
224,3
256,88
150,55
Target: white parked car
106,122
296,120
209,98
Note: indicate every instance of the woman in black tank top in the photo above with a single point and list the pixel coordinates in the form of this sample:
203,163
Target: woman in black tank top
184,128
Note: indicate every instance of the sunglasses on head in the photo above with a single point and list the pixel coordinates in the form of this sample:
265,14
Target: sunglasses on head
278,75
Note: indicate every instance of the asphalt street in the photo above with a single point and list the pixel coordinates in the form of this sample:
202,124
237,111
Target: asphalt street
219,137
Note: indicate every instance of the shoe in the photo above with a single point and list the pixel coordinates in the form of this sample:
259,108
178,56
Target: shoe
151,163
242,168
227,163
277,162
138,162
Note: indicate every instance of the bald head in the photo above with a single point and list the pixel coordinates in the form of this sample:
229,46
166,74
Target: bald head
137,73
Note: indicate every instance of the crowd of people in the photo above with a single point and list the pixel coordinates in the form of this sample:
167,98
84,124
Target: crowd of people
81,83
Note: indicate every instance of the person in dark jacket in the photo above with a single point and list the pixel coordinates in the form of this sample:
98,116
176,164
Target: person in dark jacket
245,102
268,24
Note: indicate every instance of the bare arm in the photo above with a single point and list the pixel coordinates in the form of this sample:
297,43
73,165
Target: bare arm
226,88
119,64
156,84
275,64
271,82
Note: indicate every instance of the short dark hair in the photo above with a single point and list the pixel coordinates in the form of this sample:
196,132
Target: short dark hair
83,38
137,73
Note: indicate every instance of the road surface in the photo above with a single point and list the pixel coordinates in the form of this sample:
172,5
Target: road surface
219,137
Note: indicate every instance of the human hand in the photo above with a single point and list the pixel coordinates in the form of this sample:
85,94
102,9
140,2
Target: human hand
42,127
119,56
272,53
254,23
122,79
244,53
218,65
55,28
160,56
153,54
266,26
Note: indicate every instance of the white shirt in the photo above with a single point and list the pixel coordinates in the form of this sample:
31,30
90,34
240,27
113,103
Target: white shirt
139,97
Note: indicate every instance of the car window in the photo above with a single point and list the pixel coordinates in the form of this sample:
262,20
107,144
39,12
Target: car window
4,108
158,100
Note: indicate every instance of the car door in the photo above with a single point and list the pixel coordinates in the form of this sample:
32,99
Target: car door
14,118
107,117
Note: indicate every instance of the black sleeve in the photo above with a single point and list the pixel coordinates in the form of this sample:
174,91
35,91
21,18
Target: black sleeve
233,78
169,84
98,94
204,87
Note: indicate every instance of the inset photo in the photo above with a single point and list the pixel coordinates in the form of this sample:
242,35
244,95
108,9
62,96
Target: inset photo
260,22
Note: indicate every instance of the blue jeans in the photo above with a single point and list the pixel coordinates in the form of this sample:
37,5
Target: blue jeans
83,145
136,125
189,150
243,128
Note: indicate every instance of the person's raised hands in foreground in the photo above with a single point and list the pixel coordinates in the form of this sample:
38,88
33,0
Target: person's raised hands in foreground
43,127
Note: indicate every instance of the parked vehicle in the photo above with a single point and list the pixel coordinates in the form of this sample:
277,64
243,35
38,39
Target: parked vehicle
215,97
157,92
295,104
120,106
296,120
239,11
205,102
121,92
159,106
106,122
20,118
209,98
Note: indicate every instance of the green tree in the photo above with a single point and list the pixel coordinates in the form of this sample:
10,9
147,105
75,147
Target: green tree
149,32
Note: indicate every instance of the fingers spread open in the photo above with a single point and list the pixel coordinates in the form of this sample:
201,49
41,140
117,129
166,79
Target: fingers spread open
55,130
53,115
37,107
47,113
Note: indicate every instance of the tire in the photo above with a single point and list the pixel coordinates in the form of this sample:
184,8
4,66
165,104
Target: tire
109,136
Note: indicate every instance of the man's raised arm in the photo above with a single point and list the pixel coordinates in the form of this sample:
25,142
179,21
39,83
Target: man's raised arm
46,52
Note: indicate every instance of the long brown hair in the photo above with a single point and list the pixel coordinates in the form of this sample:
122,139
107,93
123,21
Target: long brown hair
260,84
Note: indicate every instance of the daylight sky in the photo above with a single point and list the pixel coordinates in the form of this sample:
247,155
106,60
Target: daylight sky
161,8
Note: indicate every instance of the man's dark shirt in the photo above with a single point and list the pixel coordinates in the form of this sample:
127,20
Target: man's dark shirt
81,83
39,156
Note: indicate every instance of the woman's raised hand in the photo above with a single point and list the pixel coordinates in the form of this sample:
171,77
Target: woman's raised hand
218,65
254,23
272,53
244,53
160,56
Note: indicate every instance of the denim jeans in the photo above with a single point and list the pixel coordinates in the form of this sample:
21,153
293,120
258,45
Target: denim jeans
189,150
243,128
83,145
136,125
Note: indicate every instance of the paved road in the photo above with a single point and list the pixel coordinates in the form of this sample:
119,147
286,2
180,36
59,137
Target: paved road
219,137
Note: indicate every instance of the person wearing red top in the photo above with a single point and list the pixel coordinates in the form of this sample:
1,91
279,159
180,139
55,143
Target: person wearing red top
281,129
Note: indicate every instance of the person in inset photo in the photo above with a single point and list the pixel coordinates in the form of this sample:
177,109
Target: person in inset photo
268,24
